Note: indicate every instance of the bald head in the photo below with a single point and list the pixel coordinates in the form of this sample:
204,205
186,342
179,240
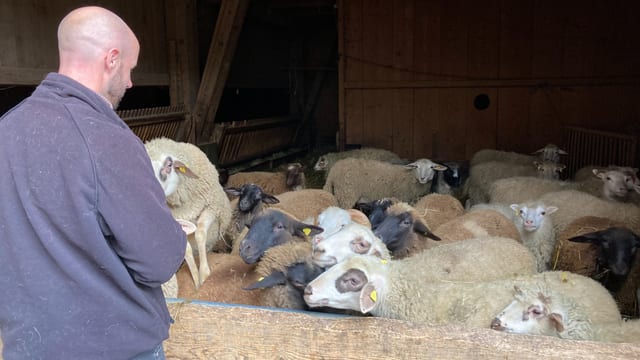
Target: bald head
98,49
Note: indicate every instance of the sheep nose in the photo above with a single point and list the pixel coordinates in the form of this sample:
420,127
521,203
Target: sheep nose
496,324
318,250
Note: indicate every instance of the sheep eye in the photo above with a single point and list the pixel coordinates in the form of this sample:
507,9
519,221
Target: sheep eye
543,213
536,311
608,178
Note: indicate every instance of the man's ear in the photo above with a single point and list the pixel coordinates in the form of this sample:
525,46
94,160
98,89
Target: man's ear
112,58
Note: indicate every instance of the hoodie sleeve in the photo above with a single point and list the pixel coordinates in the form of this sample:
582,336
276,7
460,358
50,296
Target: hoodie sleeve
130,200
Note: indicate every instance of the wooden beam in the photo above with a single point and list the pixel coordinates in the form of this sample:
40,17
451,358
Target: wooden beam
182,50
215,330
221,52
493,83
10,75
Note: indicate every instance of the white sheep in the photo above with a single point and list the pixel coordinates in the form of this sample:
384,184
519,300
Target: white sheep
487,155
483,258
536,230
547,312
190,183
550,153
353,179
333,219
481,220
351,239
292,178
325,162
483,175
399,290
573,204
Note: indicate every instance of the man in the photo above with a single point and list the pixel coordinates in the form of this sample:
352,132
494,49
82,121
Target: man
86,237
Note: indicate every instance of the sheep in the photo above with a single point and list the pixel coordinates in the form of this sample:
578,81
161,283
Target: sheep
487,155
352,239
550,153
306,204
270,228
404,231
536,230
326,161
552,314
586,172
351,180
615,263
190,183
483,175
609,184
171,287
480,258
376,209
291,179
436,209
451,180
478,222
573,204
399,290
333,219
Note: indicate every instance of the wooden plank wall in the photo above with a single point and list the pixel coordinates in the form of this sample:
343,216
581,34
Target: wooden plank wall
411,69
29,44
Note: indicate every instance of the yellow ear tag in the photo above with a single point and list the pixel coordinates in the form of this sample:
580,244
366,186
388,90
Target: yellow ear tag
383,261
564,277
182,169
306,231
373,296
261,278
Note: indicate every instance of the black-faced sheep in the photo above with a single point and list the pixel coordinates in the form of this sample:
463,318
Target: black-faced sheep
375,209
404,231
615,264
352,180
396,290
190,183
270,228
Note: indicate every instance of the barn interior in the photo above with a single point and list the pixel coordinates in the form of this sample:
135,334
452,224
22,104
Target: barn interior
259,83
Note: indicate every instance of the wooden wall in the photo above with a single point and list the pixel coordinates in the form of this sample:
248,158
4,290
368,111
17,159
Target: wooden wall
29,44
411,69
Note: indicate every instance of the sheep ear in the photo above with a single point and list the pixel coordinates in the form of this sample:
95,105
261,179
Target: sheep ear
269,199
368,298
537,151
515,207
359,217
598,173
551,209
593,237
184,170
303,229
562,152
439,167
275,278
411,166
422,229
556,320
233,191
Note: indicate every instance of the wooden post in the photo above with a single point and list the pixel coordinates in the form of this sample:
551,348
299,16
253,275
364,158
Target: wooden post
221,52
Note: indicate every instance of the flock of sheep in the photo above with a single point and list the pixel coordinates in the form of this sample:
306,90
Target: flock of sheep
501,243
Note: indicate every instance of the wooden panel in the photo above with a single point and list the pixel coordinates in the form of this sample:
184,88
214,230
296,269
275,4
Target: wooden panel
547,43
353,38
377,32
480,124
515,37
483,23
454,39
426,49
452,128
28,38
402,128
513,120
354,117
426,122
377,115
214,330
403,16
